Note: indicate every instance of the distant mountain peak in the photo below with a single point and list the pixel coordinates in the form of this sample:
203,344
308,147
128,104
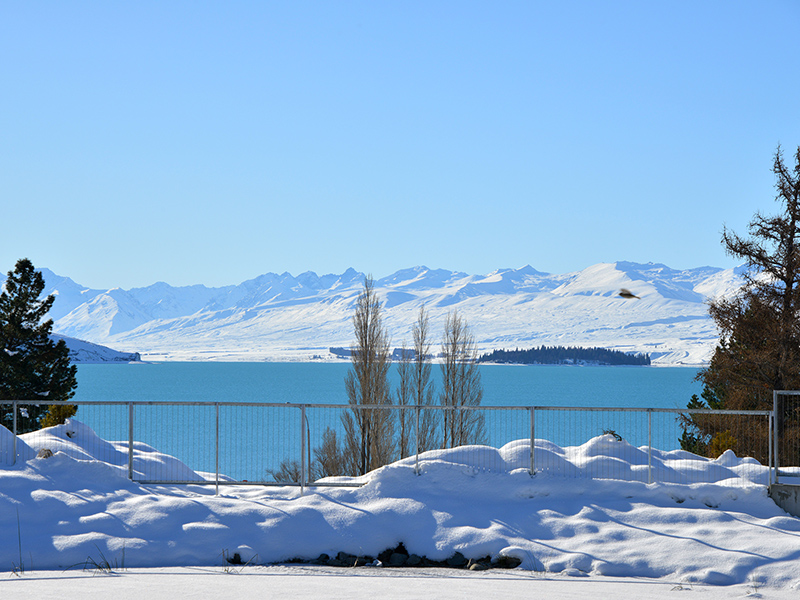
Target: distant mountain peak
271,314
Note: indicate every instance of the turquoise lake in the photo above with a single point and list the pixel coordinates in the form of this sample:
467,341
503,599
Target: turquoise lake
323,383
253,440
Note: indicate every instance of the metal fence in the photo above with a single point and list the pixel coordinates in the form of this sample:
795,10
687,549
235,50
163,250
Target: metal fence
786,441
232,443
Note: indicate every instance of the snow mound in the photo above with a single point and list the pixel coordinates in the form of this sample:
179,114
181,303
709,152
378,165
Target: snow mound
24,452
476,500
80,442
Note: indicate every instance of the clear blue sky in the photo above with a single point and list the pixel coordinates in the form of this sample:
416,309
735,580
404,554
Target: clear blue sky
210,142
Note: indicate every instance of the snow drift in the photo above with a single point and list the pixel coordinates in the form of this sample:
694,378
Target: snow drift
76,505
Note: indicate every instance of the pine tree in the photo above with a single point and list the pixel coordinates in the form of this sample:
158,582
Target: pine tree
32,366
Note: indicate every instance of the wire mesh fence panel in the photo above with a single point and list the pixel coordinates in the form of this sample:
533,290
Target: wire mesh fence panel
249,443
601,443
174,443
493,439
96,431
787,426
108,422
347,441
259,443
724,447
330,431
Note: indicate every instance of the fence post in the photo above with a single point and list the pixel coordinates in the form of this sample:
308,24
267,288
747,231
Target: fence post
775,428
216,449
769,445
130,441
302,449
532,471
14,410
416,441
649,446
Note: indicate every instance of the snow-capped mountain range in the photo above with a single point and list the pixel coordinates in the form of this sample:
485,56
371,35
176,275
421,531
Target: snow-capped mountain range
283,317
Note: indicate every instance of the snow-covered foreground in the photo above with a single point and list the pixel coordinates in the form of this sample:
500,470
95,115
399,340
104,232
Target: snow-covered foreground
573,534
359,584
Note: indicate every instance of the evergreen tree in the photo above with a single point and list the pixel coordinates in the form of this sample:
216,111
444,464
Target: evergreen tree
32,366
759,345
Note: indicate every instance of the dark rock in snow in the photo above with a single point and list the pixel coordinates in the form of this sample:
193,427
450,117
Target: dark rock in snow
457,560
506,562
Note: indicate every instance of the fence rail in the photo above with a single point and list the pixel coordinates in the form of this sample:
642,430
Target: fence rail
247,443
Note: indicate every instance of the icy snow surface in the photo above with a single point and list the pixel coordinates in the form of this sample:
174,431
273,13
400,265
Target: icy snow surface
76,505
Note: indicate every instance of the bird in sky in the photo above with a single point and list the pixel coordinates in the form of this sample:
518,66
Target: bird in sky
627,294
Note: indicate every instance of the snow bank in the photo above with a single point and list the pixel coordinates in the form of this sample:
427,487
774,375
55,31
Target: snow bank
478,501
78,441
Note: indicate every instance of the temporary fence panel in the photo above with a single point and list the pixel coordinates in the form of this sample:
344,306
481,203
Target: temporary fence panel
233,443
786,441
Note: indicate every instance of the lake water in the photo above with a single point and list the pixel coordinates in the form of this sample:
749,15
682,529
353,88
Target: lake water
323,383
254,440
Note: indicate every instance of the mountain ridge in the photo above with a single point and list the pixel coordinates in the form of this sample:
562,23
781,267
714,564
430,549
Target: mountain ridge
285,317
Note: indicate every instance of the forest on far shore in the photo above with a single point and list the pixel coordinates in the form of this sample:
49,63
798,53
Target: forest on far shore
563,355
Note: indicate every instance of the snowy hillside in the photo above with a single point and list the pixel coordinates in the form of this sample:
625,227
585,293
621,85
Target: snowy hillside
282,317
86,352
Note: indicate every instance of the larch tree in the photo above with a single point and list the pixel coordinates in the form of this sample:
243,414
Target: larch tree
759,344
32,366
369,432
461,385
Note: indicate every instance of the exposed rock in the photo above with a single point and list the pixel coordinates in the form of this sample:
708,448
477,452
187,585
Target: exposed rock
457,560
506,562
397,559
348,559
335,562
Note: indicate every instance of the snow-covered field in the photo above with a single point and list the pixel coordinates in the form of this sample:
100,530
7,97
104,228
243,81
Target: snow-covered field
574,535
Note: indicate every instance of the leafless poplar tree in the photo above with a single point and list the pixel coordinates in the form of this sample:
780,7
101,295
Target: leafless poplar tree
423,385
461,381
369,433
405,416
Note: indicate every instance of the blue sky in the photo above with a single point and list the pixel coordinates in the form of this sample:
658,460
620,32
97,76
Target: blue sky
210,142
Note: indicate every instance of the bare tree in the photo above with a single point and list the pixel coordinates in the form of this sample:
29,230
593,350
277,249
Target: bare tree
462,388
404,398
369,432
328,456
423,385
289,471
